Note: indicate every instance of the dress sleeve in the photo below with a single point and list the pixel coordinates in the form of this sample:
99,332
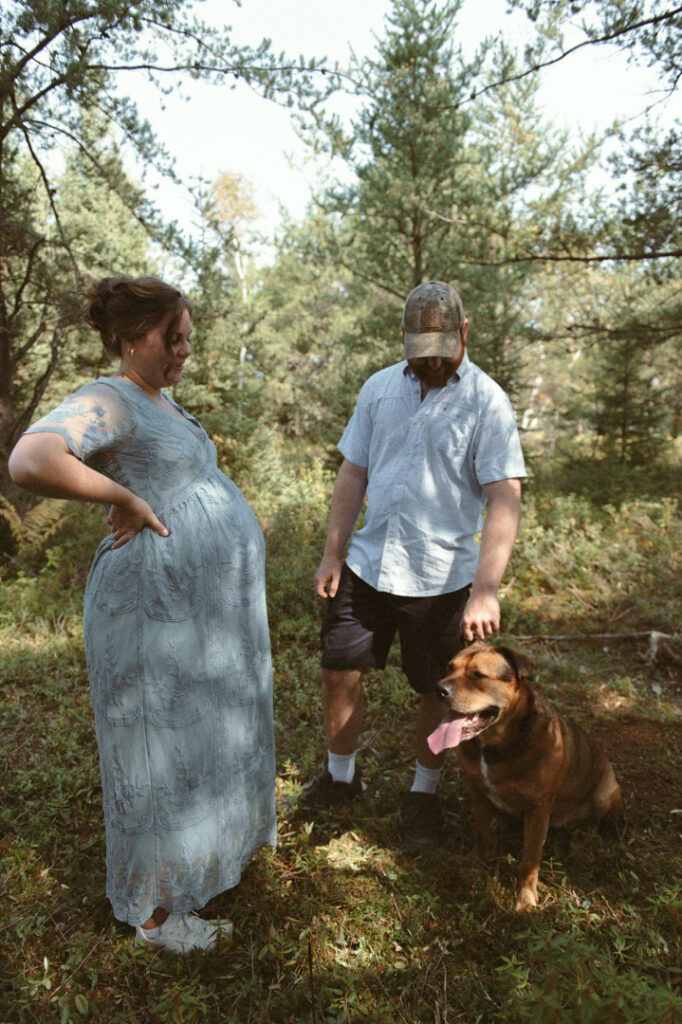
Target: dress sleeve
93,419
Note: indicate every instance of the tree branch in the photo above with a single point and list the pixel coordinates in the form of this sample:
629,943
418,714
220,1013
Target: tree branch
371,280
606,38
238,70
589,636
29,55
614,257
19,354
25,417
104,175
50,196
23,284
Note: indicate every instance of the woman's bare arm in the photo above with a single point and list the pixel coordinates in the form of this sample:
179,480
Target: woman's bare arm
43,464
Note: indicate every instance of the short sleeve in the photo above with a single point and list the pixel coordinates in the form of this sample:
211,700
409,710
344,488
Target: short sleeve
93,419
355,441
498,454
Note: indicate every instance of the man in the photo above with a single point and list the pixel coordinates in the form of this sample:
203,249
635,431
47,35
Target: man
432,441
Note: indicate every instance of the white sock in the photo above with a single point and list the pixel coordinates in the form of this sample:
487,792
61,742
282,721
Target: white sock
341,766
151,933
425,779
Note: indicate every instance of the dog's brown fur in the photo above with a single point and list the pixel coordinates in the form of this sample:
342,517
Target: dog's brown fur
528,760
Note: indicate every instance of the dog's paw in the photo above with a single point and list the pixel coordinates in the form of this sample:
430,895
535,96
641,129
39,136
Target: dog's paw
525,901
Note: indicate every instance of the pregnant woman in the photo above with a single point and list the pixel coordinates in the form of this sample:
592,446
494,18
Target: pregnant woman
175,623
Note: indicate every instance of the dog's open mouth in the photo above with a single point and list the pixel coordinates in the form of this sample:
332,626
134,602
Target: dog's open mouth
456,728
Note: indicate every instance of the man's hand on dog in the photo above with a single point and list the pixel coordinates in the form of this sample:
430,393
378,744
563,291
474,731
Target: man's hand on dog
481,616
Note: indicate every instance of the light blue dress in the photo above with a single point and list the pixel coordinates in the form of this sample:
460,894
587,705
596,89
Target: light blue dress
178,655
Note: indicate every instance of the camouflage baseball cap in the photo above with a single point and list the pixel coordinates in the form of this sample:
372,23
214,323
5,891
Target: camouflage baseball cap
432,320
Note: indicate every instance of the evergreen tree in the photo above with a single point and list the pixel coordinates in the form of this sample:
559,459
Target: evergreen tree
628,415
102,236
647,214
635,337
219,389
407,151
531,180
632,383
310,317
439,193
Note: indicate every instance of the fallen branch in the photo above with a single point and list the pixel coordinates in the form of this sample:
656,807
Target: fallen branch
593,636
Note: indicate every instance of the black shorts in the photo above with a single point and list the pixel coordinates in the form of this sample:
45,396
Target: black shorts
360,623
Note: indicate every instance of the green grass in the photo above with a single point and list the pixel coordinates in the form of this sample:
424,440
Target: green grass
339,923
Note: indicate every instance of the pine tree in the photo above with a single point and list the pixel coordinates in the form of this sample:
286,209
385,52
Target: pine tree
447,188
531,180
635,329
408,153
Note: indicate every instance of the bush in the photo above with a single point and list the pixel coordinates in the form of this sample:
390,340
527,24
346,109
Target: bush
603,481
590,972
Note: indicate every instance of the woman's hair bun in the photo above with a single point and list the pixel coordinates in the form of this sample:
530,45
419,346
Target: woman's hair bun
97,312
127,308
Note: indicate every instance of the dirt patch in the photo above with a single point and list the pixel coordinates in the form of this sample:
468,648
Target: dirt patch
647,757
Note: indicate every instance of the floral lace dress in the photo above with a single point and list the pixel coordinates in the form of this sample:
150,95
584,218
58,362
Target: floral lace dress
178,654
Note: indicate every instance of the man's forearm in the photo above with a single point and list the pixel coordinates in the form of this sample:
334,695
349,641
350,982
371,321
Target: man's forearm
349,493
481,617
499,533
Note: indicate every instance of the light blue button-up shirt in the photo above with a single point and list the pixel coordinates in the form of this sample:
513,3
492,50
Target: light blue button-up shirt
427,462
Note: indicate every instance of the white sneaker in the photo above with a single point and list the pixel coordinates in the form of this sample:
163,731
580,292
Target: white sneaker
181,933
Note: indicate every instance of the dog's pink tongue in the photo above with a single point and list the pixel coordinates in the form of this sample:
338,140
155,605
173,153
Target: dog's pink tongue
447,734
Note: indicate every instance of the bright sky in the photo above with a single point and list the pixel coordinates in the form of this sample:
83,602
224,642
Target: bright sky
215,129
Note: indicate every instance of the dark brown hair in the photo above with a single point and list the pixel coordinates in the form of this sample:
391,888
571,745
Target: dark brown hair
126,308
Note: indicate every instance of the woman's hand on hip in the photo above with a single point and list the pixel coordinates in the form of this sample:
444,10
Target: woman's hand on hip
126,521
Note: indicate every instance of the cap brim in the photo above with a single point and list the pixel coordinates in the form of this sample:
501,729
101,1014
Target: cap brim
419,346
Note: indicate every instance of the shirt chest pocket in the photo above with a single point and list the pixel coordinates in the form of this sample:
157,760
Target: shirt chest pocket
452,431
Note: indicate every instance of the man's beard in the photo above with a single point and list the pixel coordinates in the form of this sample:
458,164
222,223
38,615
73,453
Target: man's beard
433,378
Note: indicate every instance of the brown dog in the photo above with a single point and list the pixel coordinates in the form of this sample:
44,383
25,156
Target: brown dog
519,755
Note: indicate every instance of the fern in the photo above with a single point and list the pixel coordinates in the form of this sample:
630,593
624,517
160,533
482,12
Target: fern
39,523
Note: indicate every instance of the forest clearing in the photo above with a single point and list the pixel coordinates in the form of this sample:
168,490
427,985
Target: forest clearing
566,250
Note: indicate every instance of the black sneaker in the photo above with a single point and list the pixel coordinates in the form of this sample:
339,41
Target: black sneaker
421,821
323,792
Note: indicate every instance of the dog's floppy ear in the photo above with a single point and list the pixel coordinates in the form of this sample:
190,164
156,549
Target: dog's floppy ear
523,667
